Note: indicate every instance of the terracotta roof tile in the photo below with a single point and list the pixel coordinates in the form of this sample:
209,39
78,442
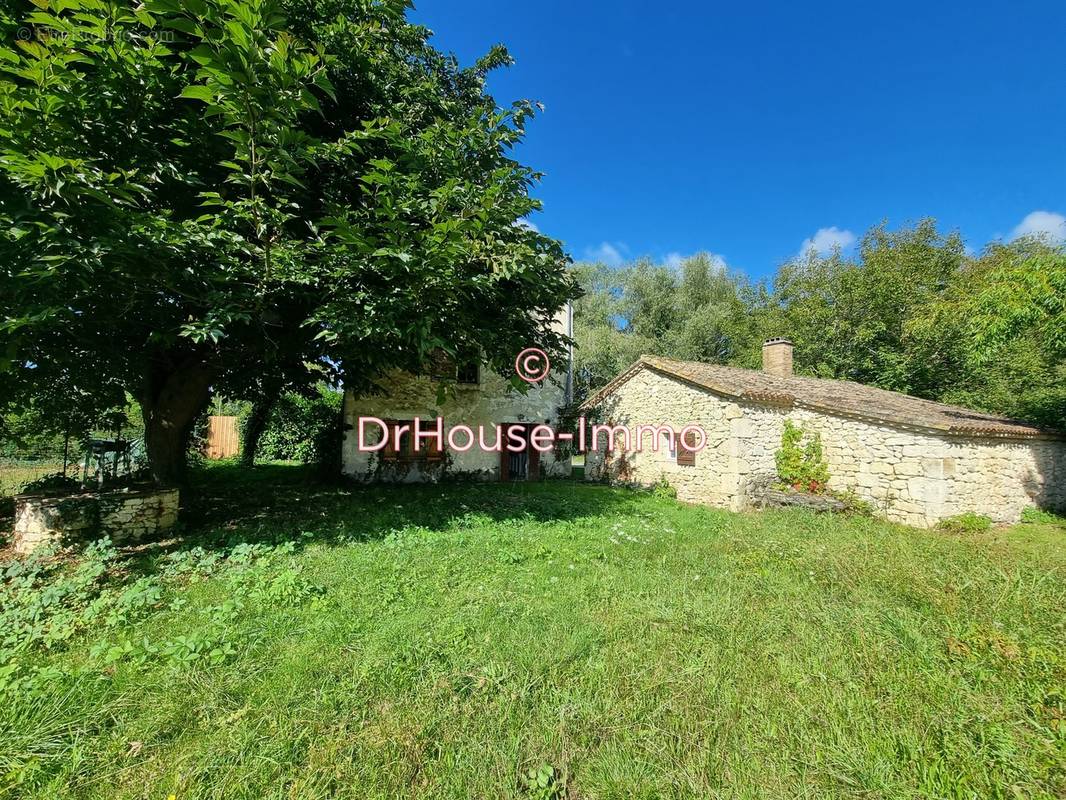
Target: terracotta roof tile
839,397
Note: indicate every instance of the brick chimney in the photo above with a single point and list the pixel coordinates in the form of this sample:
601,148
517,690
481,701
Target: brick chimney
777,357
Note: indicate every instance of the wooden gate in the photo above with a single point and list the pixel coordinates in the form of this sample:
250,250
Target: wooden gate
222,440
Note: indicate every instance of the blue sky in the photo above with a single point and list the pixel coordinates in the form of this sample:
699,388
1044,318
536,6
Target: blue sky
746,129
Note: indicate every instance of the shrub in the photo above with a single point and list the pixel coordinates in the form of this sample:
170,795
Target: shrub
1038,516
969,522
855,505
303,428
664,489
801,464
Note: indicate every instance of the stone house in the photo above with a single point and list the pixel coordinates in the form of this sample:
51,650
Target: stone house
914,460
482,399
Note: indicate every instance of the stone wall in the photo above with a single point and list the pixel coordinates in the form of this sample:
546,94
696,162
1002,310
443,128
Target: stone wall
914,476
917,476
127,517
650,399
405,397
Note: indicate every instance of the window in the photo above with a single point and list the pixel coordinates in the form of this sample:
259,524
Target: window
405,451
441,366
685,456
465,369
468,372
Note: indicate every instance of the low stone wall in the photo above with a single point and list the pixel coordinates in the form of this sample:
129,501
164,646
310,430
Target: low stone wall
127,517
785,498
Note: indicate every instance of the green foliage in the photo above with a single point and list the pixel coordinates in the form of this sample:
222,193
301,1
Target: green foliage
848,318
51,598
458,614
1038,516
542,783
45,600
303,428
994,333
231,194
699,313
663,488
855,505
53,483
910,311
1021,289
968,522
800,464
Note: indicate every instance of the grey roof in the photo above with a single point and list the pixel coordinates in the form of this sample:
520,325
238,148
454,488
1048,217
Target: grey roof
840,397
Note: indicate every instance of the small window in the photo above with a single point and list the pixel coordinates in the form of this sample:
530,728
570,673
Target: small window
441,366
469,372
685,456
464,369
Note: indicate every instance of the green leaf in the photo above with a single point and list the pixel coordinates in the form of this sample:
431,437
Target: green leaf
203,93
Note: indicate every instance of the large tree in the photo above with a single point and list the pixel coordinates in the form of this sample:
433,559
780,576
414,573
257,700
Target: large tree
243,195
848,316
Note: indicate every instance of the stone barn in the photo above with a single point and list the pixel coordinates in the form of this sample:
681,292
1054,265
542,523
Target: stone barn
914,460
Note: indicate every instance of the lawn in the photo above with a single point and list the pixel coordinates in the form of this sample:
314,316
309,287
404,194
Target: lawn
536,641
14,474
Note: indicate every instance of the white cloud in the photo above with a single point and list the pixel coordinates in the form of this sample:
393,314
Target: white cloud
674,260
825,239
1042,223
525,223
607,253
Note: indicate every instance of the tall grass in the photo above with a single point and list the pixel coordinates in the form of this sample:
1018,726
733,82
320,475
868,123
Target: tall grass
554,640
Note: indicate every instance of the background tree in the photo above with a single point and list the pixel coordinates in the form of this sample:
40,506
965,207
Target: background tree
910,311
997,332
699,312
848,317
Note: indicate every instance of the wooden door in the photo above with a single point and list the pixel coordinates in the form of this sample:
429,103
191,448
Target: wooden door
519,466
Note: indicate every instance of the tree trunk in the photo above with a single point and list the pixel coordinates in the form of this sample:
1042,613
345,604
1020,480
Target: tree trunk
174,397
255,425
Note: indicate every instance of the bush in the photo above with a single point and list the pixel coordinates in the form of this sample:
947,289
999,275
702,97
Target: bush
1038,516
664,489
801,464
303,428
855,505
965,523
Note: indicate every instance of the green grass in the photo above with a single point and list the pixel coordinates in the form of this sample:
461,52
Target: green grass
13,475
452,641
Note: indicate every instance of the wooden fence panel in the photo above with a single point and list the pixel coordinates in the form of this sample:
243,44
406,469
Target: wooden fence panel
222,440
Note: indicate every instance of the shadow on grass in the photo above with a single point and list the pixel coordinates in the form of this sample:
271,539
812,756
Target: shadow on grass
227,504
